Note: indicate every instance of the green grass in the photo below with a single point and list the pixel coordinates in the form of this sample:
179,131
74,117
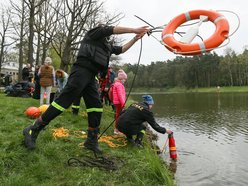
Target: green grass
47,164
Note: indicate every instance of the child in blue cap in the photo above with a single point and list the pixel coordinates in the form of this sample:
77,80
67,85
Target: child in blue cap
131,121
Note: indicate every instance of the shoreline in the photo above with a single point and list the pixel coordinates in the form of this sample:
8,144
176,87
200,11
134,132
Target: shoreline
233,89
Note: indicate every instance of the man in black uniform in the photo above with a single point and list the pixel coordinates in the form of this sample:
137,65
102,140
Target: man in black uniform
93,57
131,121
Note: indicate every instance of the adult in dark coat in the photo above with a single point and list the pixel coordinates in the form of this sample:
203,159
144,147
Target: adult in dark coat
26,72
36,93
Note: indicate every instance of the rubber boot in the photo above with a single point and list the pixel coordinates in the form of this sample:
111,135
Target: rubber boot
75,111
138,140
31,133
130,139
91,142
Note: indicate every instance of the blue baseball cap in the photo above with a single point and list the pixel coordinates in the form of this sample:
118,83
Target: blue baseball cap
148,99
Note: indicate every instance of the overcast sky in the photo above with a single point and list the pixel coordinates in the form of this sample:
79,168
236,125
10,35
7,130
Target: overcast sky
160,12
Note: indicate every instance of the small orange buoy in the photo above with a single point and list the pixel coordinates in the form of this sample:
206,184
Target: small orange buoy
32,112
172,146
43,108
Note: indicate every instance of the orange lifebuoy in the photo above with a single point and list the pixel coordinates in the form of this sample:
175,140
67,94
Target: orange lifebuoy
218,37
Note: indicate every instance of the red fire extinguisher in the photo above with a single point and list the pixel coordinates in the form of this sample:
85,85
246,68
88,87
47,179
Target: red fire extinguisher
172,146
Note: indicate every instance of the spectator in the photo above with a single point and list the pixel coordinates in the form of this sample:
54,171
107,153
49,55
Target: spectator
47,80
8,79
26,72
119,96
104,83
36,93
61,78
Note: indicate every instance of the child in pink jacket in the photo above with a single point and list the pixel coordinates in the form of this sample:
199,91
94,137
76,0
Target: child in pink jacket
119,95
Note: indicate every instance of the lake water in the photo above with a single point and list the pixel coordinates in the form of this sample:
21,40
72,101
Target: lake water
211,134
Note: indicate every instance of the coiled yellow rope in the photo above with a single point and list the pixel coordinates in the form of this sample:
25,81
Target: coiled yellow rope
112,141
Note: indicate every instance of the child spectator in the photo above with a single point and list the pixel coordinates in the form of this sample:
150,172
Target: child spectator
119,96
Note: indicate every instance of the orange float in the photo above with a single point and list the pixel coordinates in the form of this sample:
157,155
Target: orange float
43,108
218,37
32,112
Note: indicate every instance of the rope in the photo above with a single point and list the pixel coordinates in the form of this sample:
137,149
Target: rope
237,18
60,133
113,141
107,163
164,147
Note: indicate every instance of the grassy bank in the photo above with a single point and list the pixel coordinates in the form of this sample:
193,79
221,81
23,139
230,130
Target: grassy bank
189,90
47,164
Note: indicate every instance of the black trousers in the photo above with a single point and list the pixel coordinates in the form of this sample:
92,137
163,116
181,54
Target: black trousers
130,130
81,83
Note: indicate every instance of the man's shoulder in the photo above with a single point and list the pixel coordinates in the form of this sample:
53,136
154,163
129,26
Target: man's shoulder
139,106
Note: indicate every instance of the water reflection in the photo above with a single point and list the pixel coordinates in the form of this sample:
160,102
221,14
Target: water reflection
211,134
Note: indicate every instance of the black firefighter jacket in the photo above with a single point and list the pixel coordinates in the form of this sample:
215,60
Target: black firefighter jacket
136,115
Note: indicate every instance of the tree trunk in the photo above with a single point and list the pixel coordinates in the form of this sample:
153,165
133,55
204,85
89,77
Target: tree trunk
21,44
31,34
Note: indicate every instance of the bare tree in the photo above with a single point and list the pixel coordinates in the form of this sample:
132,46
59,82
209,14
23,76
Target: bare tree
42,25
33,7
45,27
20,31
75,17
5,23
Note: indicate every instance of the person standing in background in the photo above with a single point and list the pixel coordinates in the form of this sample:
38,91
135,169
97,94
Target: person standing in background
61,78
105,82
119,96
26,72
112,75
36,93
47,80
